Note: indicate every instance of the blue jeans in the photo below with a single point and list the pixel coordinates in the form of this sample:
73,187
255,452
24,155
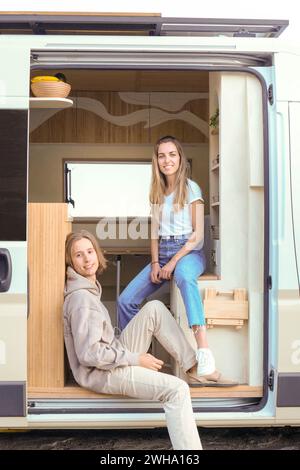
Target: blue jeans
186,273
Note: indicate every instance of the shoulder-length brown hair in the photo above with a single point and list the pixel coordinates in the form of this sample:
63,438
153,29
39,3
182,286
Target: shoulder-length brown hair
76,236
159,182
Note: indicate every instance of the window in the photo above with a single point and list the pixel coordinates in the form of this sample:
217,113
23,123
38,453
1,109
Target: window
117,189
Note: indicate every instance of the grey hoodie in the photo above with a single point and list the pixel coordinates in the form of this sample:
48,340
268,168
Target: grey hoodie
92,348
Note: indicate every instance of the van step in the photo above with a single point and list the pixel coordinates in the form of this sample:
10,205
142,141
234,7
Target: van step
239,391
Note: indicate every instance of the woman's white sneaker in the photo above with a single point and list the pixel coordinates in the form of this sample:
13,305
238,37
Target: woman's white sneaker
206,362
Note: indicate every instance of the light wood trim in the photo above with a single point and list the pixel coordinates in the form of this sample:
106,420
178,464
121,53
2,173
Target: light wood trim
47,232
208,277
226,309
224,321
67,13
239,391
49,103
66,392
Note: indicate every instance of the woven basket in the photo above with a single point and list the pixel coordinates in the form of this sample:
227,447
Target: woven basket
51,89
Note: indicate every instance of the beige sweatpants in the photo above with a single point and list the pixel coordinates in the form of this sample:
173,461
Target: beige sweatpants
154,319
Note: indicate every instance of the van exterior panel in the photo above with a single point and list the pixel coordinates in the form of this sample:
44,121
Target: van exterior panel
284,337
12,399
287,67
288,332
14,73
13,174
288,390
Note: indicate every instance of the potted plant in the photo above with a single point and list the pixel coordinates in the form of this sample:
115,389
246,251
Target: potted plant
214,122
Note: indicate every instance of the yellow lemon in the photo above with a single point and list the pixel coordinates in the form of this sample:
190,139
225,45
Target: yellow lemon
44,78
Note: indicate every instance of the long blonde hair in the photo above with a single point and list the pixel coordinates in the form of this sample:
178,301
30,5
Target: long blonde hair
76,236
159,181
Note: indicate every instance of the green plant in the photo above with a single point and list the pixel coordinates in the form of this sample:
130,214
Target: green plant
214,119
61,77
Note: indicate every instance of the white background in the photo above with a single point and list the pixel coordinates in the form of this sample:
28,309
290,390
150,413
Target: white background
251,9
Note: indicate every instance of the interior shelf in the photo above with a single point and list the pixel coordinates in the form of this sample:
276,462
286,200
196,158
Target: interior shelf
214,204
54,103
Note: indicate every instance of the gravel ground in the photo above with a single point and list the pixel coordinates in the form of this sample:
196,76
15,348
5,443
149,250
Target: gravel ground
212,439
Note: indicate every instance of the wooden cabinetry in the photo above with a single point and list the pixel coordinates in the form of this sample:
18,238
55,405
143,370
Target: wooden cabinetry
47,230
228,340
225,308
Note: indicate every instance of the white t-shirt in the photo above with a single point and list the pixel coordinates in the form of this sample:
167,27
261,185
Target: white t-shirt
179,223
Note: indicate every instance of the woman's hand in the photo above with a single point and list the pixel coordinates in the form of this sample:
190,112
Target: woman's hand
150,362
155,272
167,270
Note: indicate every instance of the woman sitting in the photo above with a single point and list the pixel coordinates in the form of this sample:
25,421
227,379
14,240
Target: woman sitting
105,364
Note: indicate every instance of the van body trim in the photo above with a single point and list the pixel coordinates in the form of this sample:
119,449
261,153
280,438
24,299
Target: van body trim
152,24
88,59
127,405
288,389
12,399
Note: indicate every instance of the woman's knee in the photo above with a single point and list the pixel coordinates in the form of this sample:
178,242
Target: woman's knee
179,390
183,277
183,388
153,309
155,305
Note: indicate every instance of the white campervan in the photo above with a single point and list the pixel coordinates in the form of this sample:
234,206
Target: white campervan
230,92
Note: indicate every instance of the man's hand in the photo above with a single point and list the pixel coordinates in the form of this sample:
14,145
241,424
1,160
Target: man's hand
150,362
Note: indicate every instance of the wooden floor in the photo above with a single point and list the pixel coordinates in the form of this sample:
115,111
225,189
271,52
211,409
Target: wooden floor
240,391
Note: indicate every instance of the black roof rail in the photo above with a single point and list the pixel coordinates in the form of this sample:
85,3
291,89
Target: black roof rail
152,24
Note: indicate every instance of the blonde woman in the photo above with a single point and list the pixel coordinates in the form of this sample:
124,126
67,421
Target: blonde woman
106,364
177,234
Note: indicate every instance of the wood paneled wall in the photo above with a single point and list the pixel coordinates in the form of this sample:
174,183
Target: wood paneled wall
77,125
191,81
48,227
